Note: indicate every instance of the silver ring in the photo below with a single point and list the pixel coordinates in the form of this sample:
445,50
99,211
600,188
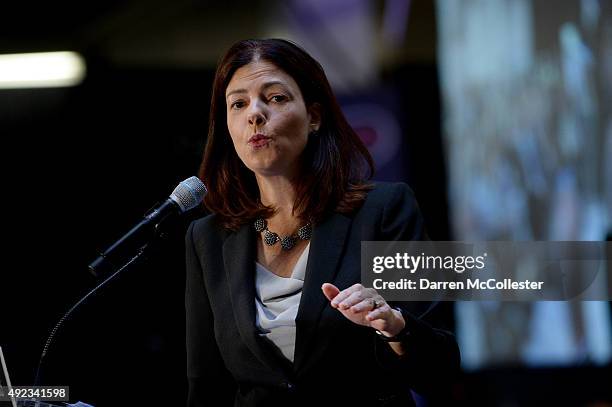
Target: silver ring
375,304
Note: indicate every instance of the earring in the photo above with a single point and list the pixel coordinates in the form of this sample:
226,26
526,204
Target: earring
313,133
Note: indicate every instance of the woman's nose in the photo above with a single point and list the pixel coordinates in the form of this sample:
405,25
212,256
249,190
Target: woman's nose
256,115
256,119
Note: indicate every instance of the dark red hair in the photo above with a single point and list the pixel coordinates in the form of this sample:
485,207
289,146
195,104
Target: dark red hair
336,165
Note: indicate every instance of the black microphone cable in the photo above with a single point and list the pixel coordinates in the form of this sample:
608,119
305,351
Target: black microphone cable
74,307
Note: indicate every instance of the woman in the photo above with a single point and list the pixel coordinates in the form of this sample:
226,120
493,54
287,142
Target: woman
275,311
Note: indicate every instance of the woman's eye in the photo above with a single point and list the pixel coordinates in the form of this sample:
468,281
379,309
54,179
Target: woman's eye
237,105
278,98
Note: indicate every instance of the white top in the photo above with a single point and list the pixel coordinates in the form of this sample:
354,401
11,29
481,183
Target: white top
277,300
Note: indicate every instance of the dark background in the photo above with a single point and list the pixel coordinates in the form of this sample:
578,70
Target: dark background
81,165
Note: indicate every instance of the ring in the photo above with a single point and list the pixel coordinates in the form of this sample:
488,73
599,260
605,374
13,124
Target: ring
375,304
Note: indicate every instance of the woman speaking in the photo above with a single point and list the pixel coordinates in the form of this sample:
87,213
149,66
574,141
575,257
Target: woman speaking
276,315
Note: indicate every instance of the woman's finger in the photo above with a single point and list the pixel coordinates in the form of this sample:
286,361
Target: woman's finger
330,291
368,304
355,298
384,312
344,294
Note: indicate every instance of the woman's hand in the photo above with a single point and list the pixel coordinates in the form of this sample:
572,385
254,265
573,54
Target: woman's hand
364,306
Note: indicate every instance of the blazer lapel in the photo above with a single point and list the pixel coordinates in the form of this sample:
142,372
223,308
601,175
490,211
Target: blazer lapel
326,248
239,259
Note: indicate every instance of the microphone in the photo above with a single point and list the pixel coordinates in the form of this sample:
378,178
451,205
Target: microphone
187,195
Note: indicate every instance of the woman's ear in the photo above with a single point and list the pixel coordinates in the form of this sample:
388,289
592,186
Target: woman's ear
314,111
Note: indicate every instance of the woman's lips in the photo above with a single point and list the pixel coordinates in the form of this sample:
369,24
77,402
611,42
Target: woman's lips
259,140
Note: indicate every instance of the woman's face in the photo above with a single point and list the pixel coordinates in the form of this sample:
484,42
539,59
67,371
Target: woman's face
267,119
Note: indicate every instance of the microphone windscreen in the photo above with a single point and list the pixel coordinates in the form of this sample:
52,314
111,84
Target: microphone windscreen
189,193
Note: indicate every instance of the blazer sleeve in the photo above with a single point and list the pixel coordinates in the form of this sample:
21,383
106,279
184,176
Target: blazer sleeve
432,355
209,381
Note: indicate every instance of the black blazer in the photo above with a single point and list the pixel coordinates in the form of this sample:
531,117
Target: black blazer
336,361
